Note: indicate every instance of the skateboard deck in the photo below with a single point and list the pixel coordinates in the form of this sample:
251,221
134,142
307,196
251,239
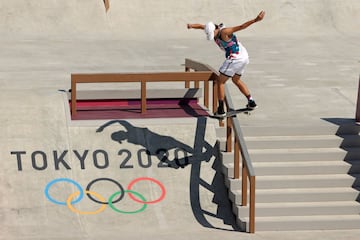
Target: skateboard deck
232,113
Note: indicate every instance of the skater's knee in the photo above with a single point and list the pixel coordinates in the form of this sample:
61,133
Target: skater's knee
236,78
223,78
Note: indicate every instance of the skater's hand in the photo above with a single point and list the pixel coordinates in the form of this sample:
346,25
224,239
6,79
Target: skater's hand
195,26
100,129
260,16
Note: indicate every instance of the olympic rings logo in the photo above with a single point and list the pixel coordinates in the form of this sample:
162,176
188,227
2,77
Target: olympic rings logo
77,196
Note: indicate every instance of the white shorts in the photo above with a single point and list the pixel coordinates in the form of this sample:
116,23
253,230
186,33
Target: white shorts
230,67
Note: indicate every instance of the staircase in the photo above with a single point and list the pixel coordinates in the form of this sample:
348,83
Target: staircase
307,177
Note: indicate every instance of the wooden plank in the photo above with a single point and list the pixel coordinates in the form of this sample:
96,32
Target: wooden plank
136,94
206,93
252,205
73,98
236,159
137,77
244,182
143,96
228,134
187,82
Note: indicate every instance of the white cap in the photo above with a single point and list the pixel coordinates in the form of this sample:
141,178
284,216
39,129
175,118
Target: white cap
209,30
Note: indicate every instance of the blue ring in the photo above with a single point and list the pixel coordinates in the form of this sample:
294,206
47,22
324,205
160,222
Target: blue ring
81,195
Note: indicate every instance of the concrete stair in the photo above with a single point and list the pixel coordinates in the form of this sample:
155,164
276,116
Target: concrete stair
307,177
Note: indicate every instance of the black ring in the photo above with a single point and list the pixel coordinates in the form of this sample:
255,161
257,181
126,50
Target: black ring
105,179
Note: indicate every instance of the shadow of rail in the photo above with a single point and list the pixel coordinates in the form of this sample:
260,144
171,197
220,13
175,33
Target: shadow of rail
160,146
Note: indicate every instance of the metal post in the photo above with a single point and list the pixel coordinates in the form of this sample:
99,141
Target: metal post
228,134
73,97
244,180
206,93
143,96
252,205
236,159
187,82
215,95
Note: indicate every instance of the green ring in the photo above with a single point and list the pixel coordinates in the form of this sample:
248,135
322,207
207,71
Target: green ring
128,191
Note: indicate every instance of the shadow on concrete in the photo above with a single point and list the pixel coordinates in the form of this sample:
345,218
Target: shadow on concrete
155,144
349,131
190,109
159,146
217,187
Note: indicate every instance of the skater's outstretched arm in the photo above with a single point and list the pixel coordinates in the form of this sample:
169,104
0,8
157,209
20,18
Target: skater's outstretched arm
226,32
195,26
121,122
230,30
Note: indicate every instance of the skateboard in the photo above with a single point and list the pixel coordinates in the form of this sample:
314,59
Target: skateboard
232,113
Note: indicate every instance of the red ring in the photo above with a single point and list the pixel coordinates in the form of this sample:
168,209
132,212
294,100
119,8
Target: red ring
149,179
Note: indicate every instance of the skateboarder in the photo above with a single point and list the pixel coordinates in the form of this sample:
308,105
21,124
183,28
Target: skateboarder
236,57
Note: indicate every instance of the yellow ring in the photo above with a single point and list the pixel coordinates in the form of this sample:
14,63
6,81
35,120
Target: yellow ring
70,198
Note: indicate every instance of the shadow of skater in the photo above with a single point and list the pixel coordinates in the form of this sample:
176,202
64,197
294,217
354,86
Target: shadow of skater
155,144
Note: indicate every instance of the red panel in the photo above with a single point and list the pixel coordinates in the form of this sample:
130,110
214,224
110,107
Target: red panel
116,109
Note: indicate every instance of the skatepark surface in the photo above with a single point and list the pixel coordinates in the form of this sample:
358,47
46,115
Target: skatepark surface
304,67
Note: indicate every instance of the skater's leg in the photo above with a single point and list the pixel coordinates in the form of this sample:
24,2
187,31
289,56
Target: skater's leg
221,86
241,85
221,94
244,90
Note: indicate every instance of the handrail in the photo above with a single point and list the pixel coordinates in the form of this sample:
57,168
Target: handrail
240,148
246,164
198,66
143,78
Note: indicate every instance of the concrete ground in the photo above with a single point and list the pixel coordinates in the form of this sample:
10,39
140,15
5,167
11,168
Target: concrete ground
304,69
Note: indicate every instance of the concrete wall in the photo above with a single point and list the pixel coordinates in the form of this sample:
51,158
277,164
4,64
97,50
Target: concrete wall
139,18
52,17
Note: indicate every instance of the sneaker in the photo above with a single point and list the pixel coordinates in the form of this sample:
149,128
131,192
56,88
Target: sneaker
251,104
220,113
